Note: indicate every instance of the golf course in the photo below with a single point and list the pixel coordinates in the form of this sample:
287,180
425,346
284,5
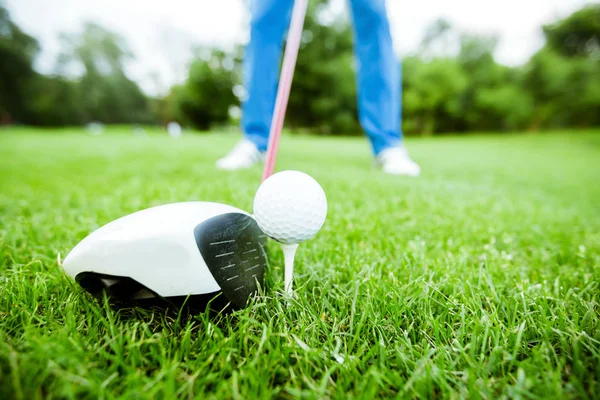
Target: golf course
478,279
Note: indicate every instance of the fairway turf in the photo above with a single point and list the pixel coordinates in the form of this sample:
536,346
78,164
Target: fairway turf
479,279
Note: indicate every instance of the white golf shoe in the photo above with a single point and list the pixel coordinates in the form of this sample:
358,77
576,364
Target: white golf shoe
244,155
396,161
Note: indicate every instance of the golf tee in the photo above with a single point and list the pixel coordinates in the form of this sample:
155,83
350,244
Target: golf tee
289,253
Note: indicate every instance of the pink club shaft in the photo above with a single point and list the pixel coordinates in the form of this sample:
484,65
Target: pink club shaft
285,84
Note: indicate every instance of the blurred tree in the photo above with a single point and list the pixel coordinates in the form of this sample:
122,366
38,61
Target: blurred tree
452,85
206,96
17,53
564,76
477,60
108,95
165,108
494,98
439,40
566,90
57,102
578,34
432,94
504,107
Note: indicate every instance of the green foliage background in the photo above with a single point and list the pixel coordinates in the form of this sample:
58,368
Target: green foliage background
443,90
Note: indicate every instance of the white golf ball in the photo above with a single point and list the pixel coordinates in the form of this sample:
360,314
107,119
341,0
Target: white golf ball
290,207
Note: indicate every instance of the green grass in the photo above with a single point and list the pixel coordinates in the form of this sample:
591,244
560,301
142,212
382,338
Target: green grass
480,279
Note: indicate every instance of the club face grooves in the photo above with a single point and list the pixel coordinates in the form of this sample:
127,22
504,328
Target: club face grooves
232,246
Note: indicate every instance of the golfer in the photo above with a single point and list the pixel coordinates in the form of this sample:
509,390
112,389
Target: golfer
378,76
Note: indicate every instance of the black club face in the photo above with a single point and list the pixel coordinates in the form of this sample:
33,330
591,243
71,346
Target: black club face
232,246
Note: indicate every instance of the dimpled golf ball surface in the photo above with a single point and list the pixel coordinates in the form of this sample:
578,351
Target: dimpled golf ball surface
290,207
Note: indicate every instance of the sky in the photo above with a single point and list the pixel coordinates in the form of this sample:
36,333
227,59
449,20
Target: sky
161,33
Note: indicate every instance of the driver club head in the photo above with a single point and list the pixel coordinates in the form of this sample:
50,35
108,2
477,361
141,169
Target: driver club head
193,251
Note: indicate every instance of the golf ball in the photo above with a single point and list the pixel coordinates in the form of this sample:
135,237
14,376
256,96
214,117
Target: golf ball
290,207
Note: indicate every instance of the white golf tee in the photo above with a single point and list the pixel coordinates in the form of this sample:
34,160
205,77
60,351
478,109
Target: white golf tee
289,253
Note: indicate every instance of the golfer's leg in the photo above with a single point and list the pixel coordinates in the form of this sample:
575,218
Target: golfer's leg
379,100
270,19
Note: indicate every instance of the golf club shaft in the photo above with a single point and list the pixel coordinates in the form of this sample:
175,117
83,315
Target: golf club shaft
285,84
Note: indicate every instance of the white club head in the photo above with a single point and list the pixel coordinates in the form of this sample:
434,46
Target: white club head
172,251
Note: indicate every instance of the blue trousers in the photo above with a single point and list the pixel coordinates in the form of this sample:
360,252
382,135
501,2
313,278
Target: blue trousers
378,77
